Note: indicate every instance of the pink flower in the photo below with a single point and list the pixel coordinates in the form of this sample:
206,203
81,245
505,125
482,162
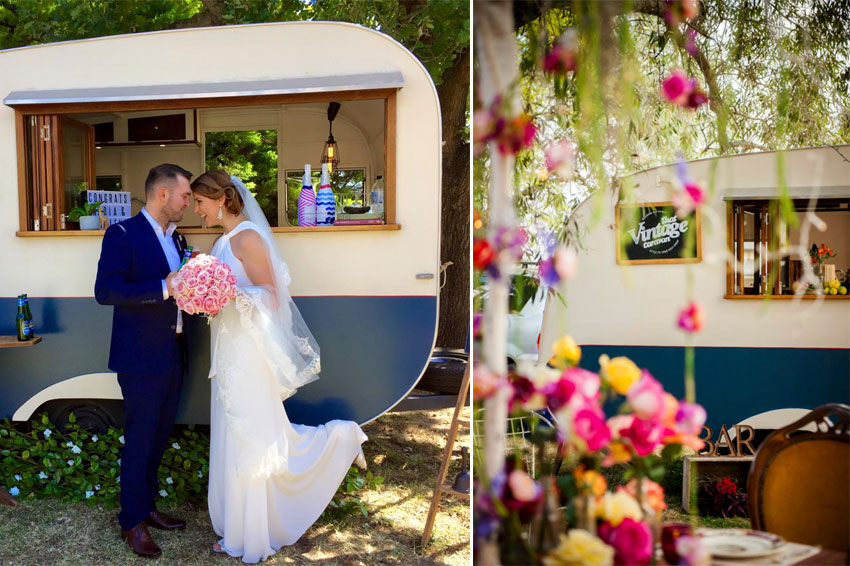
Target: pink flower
646,397
484,382
231,279
676,11
223,286
201,289
696,99
203,278
558,393
192,281
687,199
677,87
692,318
180,287
618,423
517,134
214,293
560,158
690,42
589,425
210,305
586,382
690,418
524,390
644,435
631,540
189,308
562,58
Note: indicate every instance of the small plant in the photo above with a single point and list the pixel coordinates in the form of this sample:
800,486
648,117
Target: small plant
88,209
721,498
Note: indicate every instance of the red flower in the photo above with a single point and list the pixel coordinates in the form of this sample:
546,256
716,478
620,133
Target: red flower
727,487
482,254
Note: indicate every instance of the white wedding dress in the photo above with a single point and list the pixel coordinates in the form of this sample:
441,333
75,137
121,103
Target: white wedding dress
269,479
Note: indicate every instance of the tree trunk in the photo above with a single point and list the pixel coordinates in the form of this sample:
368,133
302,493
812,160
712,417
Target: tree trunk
454,296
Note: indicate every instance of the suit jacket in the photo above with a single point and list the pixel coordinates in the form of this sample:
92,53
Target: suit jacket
130,271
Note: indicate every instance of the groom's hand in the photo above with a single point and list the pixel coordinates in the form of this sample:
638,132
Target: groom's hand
169,283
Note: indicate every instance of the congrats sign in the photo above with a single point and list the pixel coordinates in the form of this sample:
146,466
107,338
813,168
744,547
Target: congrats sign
116,204
653,233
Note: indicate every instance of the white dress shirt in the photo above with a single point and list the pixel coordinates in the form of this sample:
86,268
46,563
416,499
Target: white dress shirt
172,254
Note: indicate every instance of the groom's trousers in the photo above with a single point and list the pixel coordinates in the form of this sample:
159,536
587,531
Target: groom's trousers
150,406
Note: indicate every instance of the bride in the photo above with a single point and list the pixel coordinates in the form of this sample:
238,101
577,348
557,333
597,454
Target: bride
269,479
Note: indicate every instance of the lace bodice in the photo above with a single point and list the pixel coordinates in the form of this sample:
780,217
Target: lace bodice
224,252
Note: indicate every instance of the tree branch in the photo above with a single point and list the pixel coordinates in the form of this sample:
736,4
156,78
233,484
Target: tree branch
209,16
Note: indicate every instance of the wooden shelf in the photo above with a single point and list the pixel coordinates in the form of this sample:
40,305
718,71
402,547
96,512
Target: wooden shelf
805,297
187,230
12,342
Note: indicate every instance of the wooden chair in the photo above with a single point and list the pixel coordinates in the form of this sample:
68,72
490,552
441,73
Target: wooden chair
799,484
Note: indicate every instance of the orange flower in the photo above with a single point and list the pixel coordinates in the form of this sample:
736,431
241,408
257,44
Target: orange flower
653,494
590,481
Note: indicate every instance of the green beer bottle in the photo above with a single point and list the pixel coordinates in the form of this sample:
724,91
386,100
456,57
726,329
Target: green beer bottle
28,315
24,332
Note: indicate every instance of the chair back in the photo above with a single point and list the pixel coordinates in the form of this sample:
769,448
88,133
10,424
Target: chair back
799,484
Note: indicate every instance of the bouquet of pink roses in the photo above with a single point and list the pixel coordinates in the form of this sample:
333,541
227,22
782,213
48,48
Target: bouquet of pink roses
204,285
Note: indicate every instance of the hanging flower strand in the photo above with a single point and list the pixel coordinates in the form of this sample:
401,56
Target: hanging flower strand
683,91
511,133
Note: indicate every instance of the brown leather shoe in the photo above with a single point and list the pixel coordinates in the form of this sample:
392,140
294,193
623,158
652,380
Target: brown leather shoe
139,539
162,521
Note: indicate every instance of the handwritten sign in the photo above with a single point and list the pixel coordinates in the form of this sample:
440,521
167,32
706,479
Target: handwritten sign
116,204
725,441
653,233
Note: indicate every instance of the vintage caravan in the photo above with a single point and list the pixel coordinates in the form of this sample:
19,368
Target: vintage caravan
91,117
762,347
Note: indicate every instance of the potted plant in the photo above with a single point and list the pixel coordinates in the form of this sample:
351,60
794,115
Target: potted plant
86,215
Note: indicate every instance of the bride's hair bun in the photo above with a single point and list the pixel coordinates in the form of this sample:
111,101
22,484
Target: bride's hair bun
215,184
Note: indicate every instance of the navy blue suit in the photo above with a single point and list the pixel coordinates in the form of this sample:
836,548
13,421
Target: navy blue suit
146,352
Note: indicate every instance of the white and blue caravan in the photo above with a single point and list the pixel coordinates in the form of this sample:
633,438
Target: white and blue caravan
755,353
95,115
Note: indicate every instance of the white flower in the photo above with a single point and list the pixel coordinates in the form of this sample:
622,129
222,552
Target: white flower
17,477
42,475
69,443
89,494
14,491
200,474
47,433
169,481
70,462
97,487
175,446
121,439
119,461
94,438
118,479
163,493
76,449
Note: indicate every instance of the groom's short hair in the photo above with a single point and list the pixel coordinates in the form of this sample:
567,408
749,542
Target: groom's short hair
164,174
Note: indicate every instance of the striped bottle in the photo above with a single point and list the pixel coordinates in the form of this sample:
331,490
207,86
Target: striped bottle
325,201
307,200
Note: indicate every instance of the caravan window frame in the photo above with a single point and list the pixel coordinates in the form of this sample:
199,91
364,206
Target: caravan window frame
389,95
764,261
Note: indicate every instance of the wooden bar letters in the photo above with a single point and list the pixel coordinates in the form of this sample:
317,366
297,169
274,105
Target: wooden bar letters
725,441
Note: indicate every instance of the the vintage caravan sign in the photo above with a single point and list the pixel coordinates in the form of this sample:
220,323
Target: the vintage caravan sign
653,233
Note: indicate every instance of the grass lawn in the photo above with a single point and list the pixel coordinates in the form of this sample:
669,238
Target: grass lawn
405,448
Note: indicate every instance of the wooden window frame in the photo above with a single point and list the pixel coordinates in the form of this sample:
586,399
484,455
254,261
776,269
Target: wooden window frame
389,95
765,263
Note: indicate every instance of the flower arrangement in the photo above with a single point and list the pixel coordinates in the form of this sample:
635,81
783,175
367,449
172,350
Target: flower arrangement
204,285
820,253
605,526
721,498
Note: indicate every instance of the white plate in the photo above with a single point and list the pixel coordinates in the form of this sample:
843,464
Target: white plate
740,543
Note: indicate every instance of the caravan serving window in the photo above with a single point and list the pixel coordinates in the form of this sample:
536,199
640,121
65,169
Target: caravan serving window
68,148
770,255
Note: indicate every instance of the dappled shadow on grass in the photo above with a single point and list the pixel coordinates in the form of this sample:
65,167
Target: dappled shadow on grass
51,532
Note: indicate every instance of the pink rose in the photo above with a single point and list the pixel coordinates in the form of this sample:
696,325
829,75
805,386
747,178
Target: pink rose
690,418
231,279
192,282
189,308
180,287
558,393
201,289
631,540
203,278
618,423
586,382
210,305
198,303
213,292
645,435
220,273
677,87
646,397
224,286
692,318
589,425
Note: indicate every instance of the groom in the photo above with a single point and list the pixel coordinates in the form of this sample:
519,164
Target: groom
138,261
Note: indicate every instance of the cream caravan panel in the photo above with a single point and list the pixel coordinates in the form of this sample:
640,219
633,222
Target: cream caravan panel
352,263
638,304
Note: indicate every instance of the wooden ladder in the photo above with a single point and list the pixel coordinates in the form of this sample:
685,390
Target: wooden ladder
442,486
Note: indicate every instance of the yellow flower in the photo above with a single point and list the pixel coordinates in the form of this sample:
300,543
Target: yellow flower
566,349
620,372
579,548
614,507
